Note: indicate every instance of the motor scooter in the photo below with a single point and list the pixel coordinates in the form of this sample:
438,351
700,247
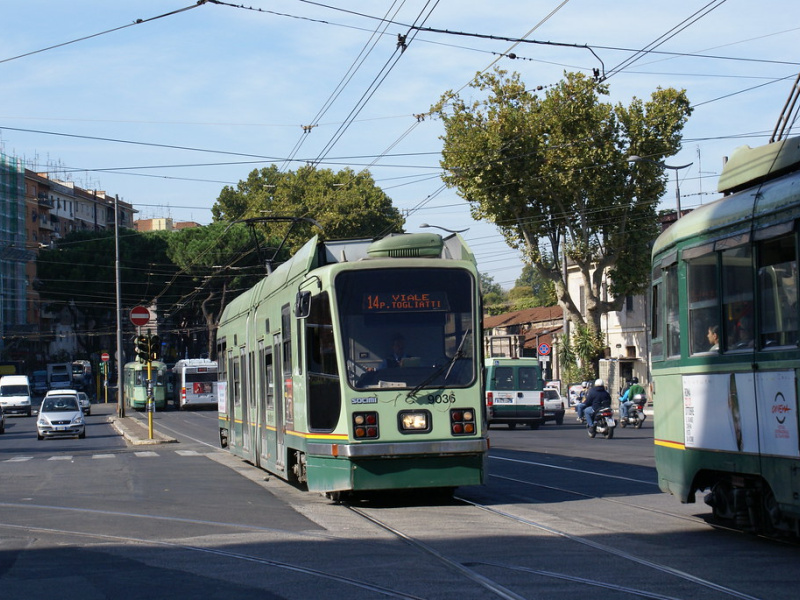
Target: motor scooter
636,414
604,424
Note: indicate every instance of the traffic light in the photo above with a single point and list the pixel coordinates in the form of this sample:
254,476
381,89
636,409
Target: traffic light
141,348
155,348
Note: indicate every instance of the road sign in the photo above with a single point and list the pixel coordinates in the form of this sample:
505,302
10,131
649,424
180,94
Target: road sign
140,316
544,349
104,357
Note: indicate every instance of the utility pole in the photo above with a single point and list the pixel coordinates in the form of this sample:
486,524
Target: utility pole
120,362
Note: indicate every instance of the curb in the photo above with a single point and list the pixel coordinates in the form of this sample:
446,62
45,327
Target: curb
137,433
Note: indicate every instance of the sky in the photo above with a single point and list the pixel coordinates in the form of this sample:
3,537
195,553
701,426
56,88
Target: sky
166,102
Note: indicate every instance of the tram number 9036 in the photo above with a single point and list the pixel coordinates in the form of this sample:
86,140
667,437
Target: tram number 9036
441,398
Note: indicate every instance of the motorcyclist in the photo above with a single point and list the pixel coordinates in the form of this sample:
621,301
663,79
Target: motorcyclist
581,406
626,401
596,399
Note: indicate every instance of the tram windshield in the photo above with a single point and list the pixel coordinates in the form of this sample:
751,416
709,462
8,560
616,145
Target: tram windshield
408,328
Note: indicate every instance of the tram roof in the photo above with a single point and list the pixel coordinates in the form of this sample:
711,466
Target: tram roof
763,184
316,253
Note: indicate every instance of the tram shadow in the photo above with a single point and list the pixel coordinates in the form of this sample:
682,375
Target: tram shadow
418,497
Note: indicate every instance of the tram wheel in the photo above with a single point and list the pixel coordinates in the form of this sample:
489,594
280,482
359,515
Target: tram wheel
721,501
512,425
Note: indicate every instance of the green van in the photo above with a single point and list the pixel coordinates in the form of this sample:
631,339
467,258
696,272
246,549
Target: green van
514,392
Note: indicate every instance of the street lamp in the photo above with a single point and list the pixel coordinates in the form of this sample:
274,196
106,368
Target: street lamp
424,225
635,158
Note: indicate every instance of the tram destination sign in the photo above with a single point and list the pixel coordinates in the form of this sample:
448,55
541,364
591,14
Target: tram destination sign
384,302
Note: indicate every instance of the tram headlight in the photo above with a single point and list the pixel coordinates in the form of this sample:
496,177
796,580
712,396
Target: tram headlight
414,421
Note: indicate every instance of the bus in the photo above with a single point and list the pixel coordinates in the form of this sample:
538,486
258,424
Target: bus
308,392
134,381
195,383
725,345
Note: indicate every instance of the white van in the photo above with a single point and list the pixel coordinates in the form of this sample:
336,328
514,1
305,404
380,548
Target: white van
514,392
15,394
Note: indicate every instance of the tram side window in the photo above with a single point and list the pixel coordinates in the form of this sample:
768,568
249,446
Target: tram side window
777,287
737,298
324,395
222,370
672,309
703,307
657,316
235,383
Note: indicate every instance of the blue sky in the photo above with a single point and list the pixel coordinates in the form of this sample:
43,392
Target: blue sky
166,112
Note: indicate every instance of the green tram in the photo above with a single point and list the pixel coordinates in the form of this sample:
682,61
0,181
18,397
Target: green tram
309,392
725,353
134,381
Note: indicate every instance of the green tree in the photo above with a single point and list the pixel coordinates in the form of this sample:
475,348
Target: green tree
552,173
495,299
532,290
215,263
344,204
78,275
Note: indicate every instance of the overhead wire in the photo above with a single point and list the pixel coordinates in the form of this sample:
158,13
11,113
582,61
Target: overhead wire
403,43
357,63
663,38
101,33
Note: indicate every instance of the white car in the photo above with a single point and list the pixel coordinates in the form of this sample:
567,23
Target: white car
83,398
60,416
553,406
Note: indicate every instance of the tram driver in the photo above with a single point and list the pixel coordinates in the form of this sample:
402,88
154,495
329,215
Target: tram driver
397,354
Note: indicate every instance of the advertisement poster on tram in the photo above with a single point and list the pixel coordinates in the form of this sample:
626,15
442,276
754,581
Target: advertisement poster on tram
721,412
222,396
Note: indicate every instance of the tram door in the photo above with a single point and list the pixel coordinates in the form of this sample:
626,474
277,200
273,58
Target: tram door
247,448
263,401
235,401
275,376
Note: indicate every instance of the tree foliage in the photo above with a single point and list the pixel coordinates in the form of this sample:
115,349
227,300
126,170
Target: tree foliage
344,204
495,298
217,262
531,290
552,173
79,275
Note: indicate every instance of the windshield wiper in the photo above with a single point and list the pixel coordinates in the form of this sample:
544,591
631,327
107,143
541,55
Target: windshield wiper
448,366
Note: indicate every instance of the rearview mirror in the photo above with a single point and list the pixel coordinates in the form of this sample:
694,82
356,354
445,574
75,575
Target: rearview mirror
302,304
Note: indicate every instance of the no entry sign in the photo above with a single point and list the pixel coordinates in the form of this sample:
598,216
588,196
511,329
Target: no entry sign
140,316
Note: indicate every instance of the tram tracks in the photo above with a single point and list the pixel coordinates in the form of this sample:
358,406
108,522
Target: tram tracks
472,568
626,504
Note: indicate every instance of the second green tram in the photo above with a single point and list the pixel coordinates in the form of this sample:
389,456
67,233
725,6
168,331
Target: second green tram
308,392
725,345
134,381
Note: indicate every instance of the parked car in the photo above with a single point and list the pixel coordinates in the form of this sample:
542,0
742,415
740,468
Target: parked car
553,406
85,402
60,416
